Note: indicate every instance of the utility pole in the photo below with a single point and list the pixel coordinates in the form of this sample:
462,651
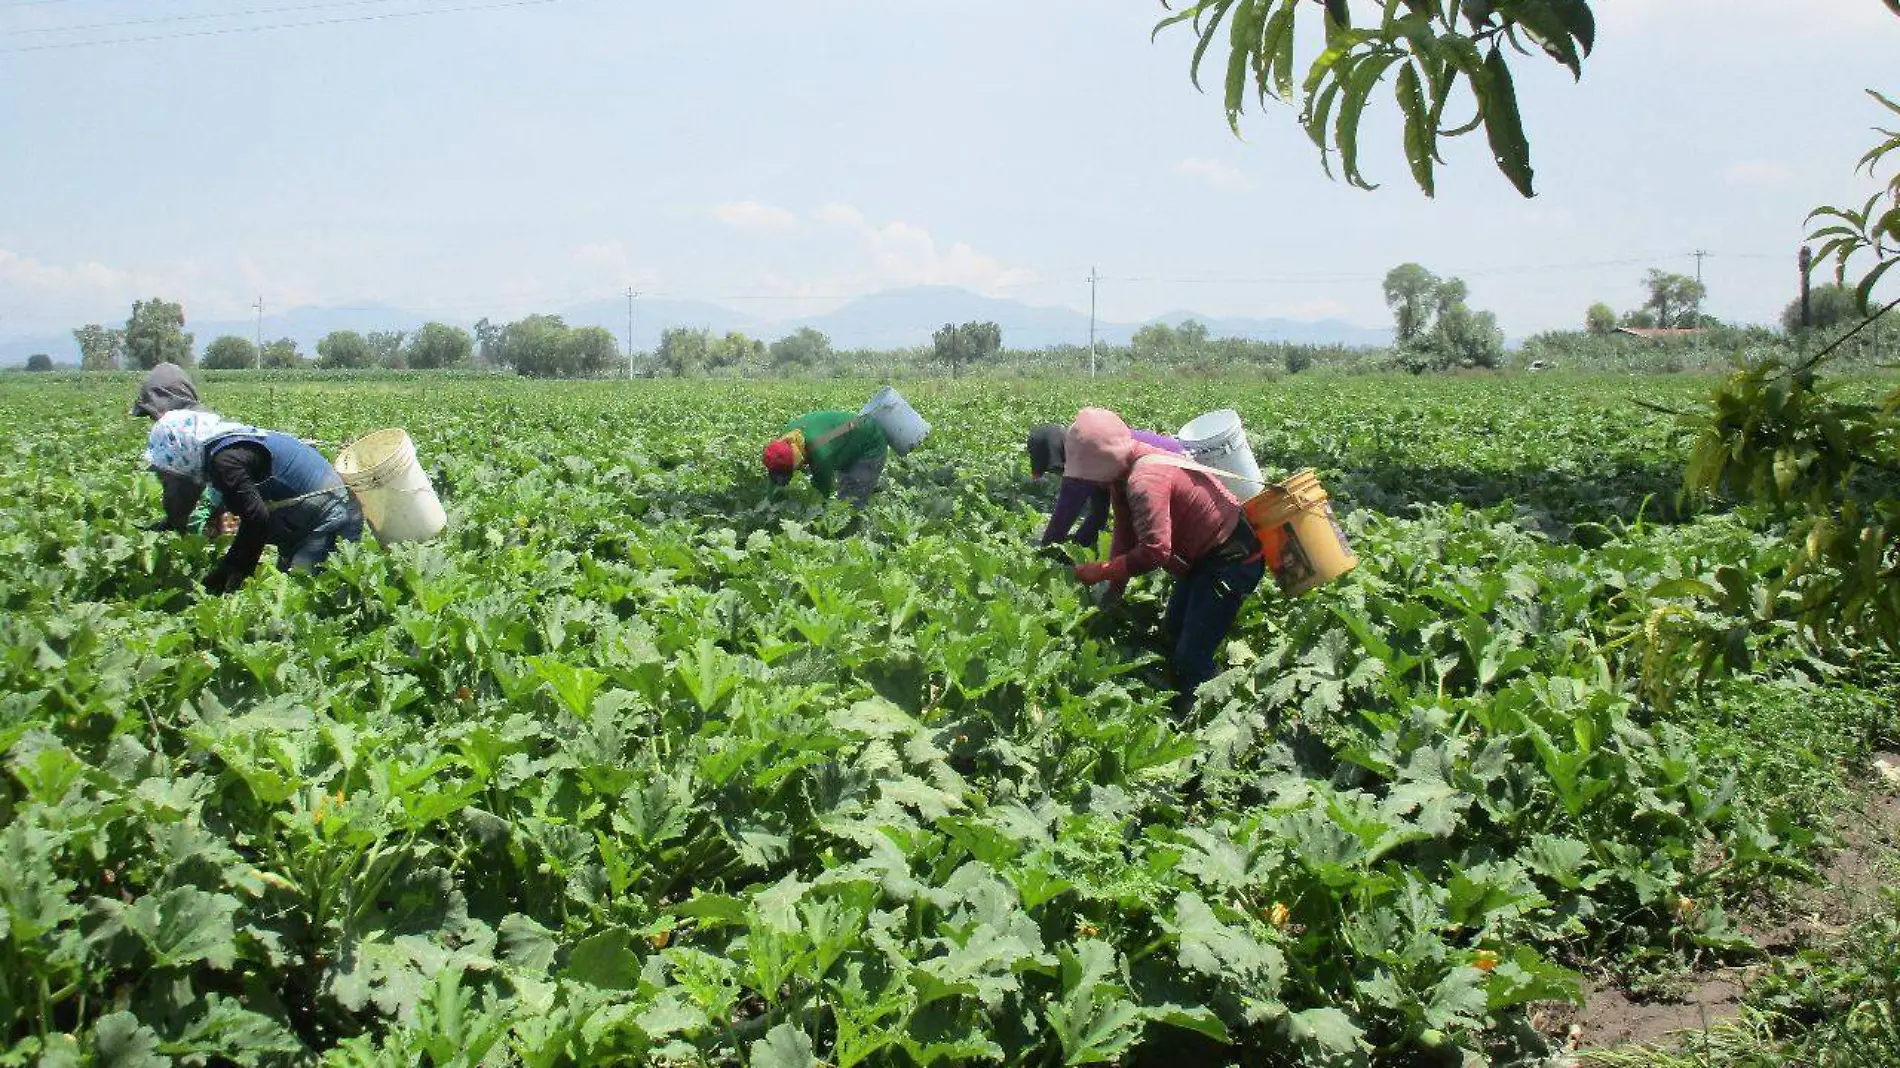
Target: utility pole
1807,306
631,295
1698,254
1094,277
257,357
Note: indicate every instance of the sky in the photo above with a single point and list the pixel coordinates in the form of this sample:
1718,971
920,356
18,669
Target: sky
782,158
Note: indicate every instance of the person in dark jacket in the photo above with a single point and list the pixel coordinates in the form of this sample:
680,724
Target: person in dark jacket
1077,497
282,491
167,388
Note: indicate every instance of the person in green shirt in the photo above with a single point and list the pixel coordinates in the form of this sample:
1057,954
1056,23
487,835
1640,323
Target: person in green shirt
840,449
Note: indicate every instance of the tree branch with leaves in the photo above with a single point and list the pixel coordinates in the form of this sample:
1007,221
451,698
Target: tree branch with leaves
1430,47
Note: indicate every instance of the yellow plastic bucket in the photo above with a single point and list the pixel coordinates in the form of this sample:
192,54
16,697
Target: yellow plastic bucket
1301,540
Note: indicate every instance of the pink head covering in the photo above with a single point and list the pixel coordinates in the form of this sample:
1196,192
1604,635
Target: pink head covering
1098,448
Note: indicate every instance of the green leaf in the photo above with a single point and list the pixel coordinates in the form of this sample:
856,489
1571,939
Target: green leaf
525,943
605,960
185,925
1420,134
1503,126
783,1046
121,1041
1327,1030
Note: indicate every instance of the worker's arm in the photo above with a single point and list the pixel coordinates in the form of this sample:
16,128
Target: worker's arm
1144,532
236,472
181,496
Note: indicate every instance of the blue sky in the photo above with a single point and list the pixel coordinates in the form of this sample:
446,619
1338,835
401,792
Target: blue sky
781,158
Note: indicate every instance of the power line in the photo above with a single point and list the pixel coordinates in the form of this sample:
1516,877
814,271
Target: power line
202,17
228,30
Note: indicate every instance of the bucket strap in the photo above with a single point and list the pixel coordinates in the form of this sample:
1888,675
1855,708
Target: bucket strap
1189,465
834,434
288,501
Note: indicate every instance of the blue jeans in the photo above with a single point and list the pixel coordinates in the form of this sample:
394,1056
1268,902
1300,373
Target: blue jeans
307,531
1201,611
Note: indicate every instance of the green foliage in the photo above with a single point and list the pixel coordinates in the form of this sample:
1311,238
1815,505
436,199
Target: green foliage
641,762
281,354
959,345
1439,53
386,348
229,353
100,349
1831,309
39,361
345,350
1435,329
1865,240
1675,300
438,345
544,346
1600,320
488,343
805,350
156,334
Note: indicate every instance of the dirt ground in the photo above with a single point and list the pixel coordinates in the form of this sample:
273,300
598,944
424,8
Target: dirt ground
1846,893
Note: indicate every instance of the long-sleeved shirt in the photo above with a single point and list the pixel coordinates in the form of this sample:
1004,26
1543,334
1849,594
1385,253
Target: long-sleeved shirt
236,473
825,461
1167,517
1077,495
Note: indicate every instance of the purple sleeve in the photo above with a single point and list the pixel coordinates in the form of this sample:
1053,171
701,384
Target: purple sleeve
1074,494
1159,441
1094,519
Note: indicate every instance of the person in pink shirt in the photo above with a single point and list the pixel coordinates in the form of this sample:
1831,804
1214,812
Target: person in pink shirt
1174,519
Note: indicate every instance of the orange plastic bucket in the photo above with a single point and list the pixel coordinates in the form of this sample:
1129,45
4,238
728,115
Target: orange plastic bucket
1300,538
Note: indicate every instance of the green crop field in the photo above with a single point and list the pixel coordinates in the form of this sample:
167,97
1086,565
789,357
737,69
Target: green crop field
642,762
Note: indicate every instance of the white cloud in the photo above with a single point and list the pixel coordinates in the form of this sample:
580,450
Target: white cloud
42,293
1213,172
839,215
753,217
1761,173
906,254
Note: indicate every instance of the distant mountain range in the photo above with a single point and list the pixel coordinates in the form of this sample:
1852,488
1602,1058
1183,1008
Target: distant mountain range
895,318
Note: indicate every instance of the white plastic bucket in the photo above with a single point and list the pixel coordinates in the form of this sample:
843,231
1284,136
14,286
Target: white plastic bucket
397,500
1218,440
902,426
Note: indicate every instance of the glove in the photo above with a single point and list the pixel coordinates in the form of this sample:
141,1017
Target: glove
221,581
1090,574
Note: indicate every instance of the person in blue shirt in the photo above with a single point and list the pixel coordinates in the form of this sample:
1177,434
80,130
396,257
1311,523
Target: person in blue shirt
282,491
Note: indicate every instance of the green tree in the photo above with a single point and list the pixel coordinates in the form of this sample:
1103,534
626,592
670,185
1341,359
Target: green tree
803,350
488,343
735,351
228,353
39,361
590,352
535,346
100,349
961,345
1436,329
1832,307
1675,300
345,350
1411,292
438,345
1600,320
683,352
281,354
156,334
386,345
1429,48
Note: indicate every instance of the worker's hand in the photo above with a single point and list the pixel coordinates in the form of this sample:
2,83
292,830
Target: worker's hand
1090,574
222,525
221,581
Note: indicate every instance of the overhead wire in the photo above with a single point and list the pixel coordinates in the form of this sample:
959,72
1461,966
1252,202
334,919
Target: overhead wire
223,31
206,16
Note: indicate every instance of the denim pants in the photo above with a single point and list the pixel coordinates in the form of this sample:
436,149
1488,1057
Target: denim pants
1201,611
306,532
857,482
